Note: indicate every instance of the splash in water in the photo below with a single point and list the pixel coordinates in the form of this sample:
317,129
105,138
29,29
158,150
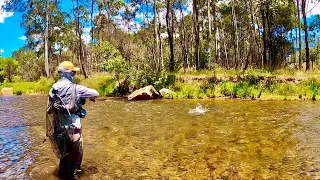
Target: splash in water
198,110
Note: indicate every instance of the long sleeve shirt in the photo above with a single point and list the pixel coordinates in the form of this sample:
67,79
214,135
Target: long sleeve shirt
82,92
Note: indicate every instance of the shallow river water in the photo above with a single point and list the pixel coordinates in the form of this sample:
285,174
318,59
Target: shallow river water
160,139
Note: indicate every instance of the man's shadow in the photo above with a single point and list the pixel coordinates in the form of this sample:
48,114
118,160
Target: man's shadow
86,172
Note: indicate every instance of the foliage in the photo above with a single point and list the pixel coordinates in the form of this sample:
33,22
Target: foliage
166,80
28,60
8,68
103,83
142,78
112,58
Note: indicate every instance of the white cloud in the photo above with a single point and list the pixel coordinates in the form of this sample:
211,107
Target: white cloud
313,8
139,15
162,16
189,6
36,37
87,30
1,51
4,14
165,35
23,38
86,38
130,27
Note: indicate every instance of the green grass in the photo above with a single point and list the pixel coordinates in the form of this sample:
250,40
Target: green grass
250,72
19,88
248,88
103,83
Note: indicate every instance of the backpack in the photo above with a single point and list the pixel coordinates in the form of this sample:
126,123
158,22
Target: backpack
60,107
66,102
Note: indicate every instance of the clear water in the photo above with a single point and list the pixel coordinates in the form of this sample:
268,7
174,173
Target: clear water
14,141
161,140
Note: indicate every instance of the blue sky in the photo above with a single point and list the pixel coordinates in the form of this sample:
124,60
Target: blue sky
12,35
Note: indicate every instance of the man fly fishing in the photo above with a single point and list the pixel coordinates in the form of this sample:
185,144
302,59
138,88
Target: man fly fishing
63,122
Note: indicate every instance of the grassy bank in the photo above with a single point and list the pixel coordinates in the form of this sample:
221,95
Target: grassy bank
254,84
21,87
246,89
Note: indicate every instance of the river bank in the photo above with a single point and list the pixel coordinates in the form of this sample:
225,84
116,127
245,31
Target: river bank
279,85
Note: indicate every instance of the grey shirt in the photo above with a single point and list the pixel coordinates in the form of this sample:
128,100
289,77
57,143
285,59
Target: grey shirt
81,91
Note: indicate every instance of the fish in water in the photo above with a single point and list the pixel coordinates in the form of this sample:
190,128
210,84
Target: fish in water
198,110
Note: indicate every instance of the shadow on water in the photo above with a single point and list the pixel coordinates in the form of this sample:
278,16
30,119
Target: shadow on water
161,140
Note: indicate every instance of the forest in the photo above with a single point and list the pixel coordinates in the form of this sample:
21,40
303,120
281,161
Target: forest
147,41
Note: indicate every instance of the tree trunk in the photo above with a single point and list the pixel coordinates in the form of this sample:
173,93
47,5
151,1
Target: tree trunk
214,26
183,39
270,43
225,50
235,27
263,15
300,38
80,58
92,9
91,47
195,16
296,37
160,45
210,34
46,49
255,54
217,39
156,38
306,34
169,18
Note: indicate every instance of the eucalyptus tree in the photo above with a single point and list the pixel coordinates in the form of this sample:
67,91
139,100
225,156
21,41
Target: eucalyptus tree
39,20
306,33
182,31
195,17
299,29
170,30
8,68
80,16
28,60
278,18
210,31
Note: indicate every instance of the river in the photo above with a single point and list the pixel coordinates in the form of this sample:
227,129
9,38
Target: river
159,139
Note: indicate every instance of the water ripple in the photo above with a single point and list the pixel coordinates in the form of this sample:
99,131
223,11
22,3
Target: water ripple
14,141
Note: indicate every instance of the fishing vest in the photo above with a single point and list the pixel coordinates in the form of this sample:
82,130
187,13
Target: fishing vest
64,100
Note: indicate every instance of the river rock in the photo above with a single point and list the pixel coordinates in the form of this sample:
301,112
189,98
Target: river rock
148,92
164,91
7,91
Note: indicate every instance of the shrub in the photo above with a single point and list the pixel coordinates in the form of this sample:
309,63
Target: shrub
226,88
164,81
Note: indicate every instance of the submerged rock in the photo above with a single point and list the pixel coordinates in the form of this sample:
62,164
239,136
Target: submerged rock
7,91
148,92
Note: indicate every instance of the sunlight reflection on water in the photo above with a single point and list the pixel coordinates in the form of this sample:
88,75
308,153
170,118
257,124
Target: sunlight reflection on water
14,141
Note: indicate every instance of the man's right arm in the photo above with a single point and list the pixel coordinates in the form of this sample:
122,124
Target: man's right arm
84,92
